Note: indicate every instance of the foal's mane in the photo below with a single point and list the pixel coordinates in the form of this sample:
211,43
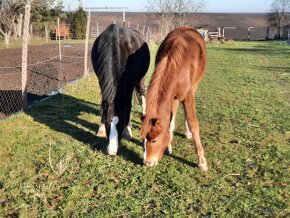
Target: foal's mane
169,61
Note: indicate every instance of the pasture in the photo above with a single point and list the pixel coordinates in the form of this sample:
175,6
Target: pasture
52,163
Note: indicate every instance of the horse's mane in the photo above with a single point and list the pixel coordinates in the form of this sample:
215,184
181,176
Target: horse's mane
169,61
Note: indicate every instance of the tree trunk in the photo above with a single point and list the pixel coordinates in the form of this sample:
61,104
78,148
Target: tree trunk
7,38
278,32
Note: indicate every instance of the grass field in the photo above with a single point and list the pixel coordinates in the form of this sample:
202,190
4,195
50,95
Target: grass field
52,164
40,41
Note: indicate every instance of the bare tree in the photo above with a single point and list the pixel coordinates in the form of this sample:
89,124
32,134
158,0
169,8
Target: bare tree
9,14
172,13
280,17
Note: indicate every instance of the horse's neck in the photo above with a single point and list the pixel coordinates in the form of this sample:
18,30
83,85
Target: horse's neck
164,111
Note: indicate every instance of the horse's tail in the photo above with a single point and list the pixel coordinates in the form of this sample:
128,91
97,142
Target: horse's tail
105,49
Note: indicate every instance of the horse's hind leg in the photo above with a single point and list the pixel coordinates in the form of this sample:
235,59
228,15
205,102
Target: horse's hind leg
127,133
174,107
189,107
102,129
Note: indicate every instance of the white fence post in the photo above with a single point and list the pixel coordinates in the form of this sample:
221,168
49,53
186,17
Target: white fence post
58,33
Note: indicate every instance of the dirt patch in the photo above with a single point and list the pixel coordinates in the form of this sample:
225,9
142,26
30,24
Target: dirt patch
46,73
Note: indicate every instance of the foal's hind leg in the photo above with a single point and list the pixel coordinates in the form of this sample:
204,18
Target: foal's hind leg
140,88
189,107
174,107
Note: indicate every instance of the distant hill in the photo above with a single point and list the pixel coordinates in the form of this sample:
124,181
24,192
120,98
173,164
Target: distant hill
242,21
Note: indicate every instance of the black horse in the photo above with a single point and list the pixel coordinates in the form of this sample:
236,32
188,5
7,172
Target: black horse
120,59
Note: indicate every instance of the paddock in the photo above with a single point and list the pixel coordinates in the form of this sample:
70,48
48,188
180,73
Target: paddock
52,163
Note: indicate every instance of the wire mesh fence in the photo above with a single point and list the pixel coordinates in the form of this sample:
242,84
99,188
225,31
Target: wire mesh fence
46,73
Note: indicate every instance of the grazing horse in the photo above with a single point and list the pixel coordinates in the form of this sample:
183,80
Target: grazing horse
120,59
180,65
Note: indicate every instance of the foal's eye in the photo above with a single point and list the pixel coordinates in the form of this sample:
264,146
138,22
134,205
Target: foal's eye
153,140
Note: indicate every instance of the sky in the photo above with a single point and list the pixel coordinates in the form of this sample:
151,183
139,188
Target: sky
249,6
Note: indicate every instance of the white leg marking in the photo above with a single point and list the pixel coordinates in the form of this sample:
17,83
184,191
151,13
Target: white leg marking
113,139
102,131
187,133
143,105
129,131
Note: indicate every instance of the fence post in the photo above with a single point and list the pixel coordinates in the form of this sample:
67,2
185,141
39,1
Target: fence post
87,45
249,34
46,33
124,17
58,34
24,54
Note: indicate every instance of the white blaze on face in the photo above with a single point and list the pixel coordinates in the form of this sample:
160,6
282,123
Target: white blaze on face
113,139
144,158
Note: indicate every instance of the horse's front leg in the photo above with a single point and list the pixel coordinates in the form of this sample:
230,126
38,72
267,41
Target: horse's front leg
114,137
174,107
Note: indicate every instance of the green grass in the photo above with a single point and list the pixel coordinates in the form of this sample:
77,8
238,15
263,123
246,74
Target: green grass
52,164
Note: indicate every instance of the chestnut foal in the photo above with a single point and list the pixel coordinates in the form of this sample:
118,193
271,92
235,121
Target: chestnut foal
180,65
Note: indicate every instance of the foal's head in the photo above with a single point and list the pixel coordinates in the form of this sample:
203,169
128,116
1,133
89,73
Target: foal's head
156,139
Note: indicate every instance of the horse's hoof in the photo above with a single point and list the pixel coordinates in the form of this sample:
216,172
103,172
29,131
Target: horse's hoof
102,131
112,151
102,134
127,133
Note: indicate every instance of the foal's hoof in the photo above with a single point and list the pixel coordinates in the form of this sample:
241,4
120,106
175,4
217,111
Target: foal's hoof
188,135
203,167
169,149
150,163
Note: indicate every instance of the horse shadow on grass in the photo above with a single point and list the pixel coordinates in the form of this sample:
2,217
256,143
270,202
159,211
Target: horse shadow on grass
62,113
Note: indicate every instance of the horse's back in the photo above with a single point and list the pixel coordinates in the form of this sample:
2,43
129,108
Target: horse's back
185,50
114,47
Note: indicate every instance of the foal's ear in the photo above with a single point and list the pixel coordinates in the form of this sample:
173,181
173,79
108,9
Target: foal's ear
156,128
